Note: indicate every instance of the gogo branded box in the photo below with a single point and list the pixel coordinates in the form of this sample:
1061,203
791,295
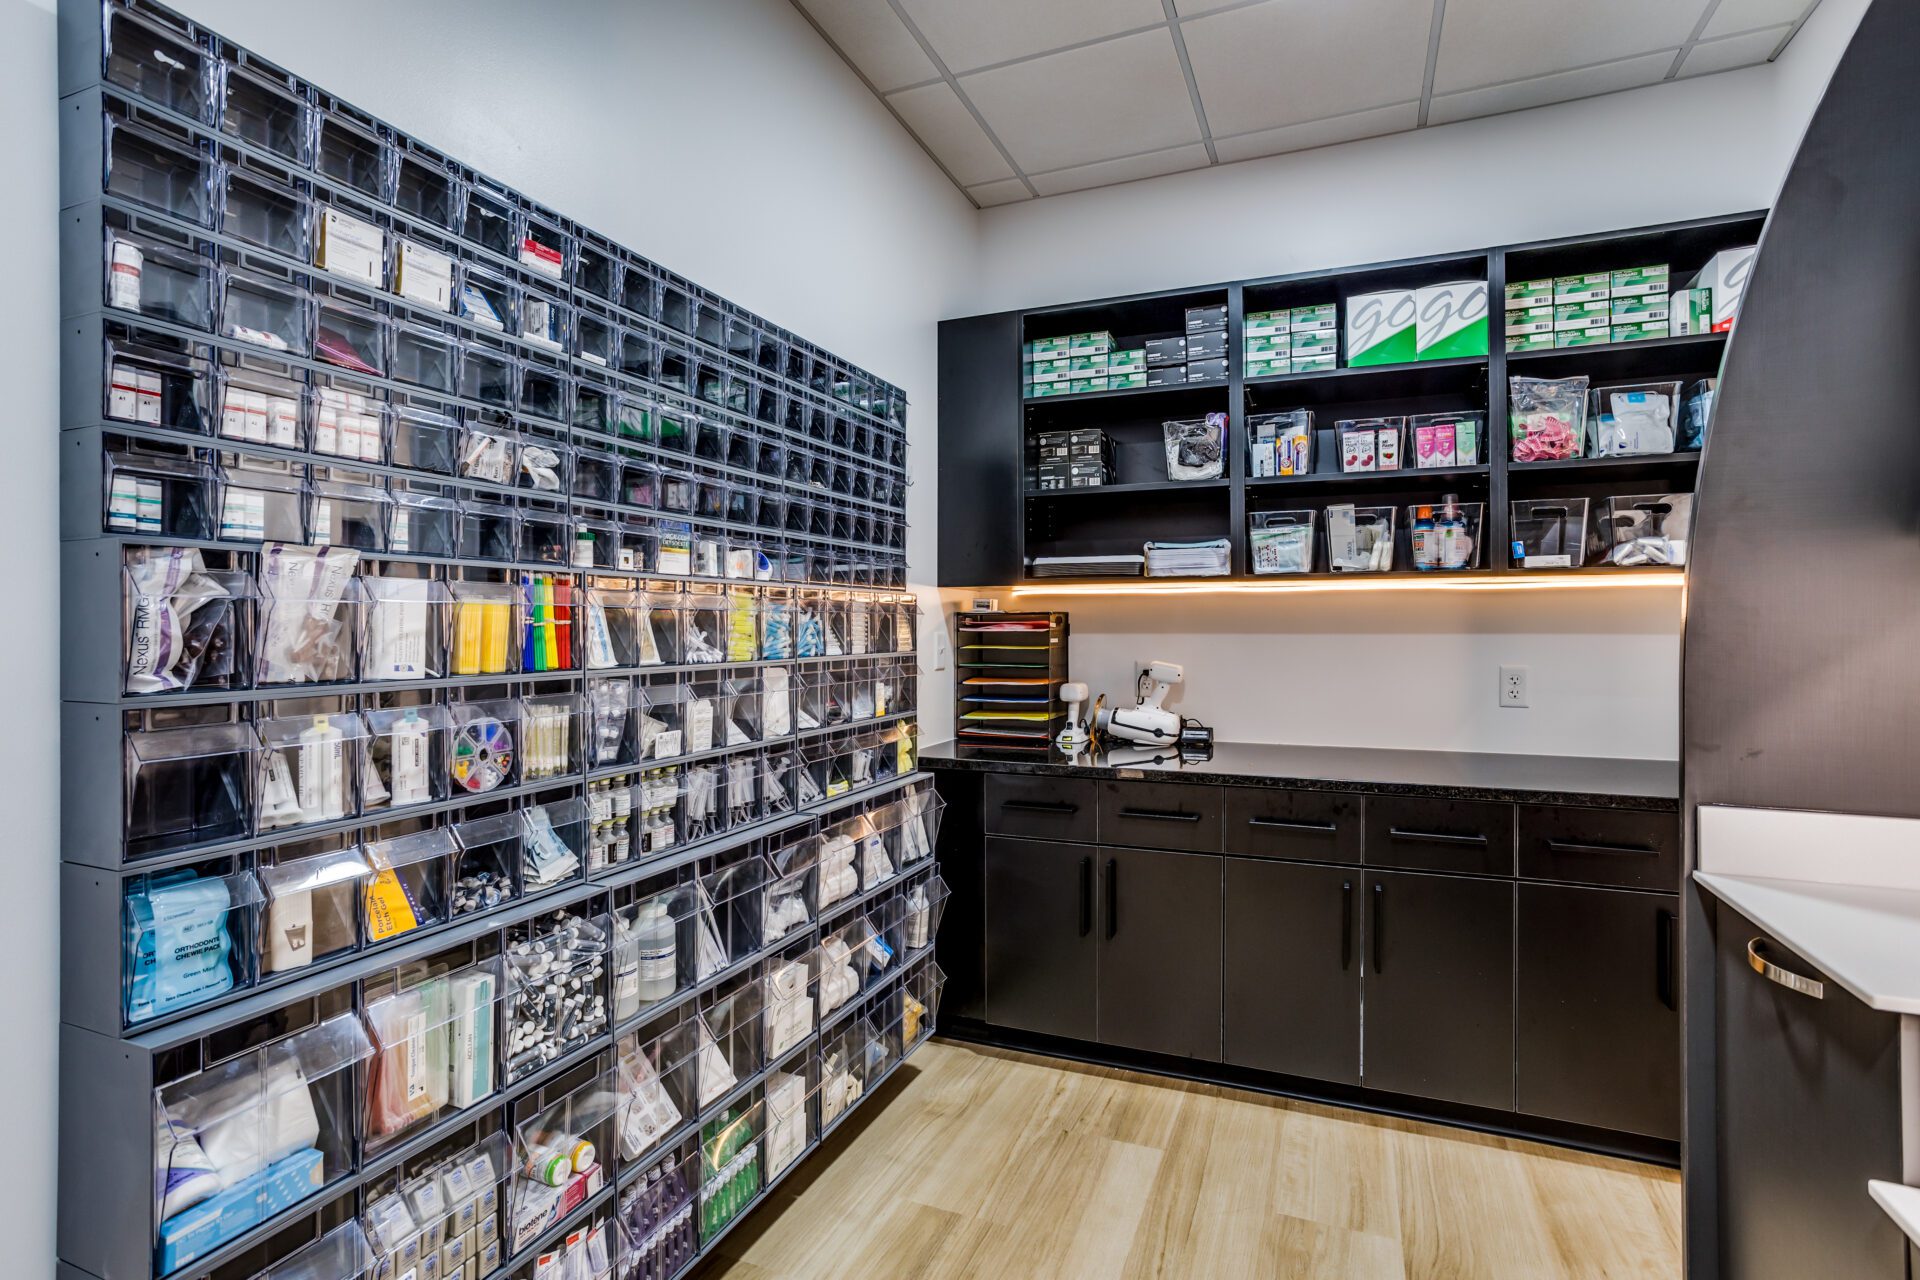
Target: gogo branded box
1382,328
1451,320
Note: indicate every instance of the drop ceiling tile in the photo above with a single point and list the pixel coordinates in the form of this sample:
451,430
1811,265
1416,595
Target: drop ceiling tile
1006,191
1628,73
940,120
1117,98
1488,42
1319,133
1746,15
968,34
1108,172
1743,50
1191,8
872,37
1291,61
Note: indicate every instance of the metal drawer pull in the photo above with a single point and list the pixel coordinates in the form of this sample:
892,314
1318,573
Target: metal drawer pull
1581,846
1320,827
1039,806
1434,837
1160,815
1785,977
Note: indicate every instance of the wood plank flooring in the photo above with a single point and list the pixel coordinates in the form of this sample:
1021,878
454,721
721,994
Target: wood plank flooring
983,1163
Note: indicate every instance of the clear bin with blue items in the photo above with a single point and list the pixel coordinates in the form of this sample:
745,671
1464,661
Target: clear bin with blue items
246,1139
1549,533
1695,411
1628,420
188,939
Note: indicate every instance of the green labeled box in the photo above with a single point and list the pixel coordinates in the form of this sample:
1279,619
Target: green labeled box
1090,344
1690,312
1127,381
1269,368
1582,315
1051,348
1638,282
1646,308
1582,337
1265,345
1641,332
1451,320
1381,328
1264,324
1525,295
1088,366
1060,388
1532,320
1314,319
1530,342
1131,360
1315,364
1079,385
1310,345
1590,288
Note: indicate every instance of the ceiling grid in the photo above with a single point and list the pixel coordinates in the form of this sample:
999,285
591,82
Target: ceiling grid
1020,99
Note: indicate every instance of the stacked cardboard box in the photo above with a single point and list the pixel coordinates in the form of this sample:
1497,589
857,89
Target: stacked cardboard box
1080,459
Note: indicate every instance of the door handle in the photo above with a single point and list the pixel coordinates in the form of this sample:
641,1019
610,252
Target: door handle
1663,958
1279,825
1581,846
1432,837
1113,897
1039,806
1160,815
1086,896
1785,977
1374,926
1346,924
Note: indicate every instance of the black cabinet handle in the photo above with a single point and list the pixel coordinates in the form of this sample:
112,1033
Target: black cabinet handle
1663,958
1346,924
1086,896
1375,927
1582,846
1160,815
1433,837
1113,897
1039,806
1323,827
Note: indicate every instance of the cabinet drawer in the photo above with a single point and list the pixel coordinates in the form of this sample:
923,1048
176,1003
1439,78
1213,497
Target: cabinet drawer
1045,808
1440,835
1306,826
1160,815
1623,848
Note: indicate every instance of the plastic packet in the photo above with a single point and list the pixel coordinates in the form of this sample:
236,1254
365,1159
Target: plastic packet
305,635
1695,408
176,616
1196,448
1634,421
1549,417
1283,546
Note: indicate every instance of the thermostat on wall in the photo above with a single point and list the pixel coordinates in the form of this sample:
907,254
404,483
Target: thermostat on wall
984,604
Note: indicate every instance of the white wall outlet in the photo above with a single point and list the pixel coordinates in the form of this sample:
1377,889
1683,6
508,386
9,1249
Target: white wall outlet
1513,686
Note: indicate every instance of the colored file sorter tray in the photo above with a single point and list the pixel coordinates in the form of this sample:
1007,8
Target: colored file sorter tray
1011,666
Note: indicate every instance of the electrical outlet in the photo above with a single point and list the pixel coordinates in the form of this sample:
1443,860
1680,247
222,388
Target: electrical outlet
1513,686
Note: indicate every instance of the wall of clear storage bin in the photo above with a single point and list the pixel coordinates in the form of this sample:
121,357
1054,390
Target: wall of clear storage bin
491,825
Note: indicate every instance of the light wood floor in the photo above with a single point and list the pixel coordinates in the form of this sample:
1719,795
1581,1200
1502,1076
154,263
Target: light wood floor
979,1163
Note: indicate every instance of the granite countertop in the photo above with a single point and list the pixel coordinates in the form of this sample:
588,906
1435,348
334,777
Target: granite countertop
1453,775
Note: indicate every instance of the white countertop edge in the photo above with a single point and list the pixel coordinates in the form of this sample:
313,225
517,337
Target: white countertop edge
1902,1204
1866,939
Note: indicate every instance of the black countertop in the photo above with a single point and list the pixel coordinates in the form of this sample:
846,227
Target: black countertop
1454,775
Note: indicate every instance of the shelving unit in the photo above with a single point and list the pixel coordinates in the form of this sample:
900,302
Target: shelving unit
987,445
1009,668
458,610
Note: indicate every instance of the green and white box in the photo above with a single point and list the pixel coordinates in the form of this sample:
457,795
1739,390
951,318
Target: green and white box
1265,346
1646,308
1059,388
1532,320
1088,366
1640,282
1582,337
1528,294
1531,342
1580,316
1052,371
1690,312
1265,324
1315,364
1589,288
1131,360
1451,320
1640,332
1091,344
1267,367
1051,349
1309,346
1382,328
1127,381
1324,316
1079,385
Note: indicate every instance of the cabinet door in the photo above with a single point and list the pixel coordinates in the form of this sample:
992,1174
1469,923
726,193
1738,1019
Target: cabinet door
1438,990
1293,969
1041,948
1809,1111
1599,1031
1160,951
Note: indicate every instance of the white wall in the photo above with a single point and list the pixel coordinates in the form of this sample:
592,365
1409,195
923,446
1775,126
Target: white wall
1404,670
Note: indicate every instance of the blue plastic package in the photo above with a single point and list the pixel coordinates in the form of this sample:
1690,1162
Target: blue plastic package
178,950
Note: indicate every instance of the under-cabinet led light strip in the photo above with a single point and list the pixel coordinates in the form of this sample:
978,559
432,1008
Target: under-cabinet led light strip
1545,582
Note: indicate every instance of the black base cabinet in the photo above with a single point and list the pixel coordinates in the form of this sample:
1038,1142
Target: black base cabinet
1809,1110
1293,969
1040,942
1438,991
1598,1026
1160,952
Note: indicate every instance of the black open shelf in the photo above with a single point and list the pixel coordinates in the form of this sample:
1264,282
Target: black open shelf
990,430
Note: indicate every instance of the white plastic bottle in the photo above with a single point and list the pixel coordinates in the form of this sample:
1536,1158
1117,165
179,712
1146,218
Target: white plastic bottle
656,948
410,758
323,778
